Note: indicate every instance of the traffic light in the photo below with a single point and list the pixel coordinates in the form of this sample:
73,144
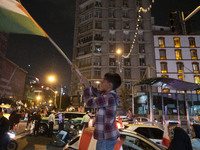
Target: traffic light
175,21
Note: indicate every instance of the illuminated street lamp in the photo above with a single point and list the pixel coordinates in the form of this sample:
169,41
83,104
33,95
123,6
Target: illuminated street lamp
118,52
97,82
51,78
38,97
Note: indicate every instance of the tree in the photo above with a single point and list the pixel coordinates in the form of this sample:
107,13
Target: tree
125,103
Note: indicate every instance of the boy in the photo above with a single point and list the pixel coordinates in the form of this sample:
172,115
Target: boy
106,131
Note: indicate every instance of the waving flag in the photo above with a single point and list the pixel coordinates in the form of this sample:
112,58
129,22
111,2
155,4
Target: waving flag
166,136
15,19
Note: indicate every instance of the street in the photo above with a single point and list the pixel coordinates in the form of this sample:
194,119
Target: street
27,142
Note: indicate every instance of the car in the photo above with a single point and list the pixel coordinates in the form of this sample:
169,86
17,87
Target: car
152,132
76,120
129,140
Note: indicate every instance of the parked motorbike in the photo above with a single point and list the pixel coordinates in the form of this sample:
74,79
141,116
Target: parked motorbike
63,136
10,142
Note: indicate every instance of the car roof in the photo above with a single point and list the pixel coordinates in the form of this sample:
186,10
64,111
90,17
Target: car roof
71,112
142,125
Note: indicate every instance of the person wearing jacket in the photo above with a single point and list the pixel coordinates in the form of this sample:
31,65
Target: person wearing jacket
106,101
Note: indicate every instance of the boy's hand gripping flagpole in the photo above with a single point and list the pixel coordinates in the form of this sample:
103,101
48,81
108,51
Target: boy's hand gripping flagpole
16,19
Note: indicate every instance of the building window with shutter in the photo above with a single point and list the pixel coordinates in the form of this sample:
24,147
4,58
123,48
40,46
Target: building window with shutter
180,67
192,42
162,54
195,67
178,54
177,42
161,41
197,79
193,53
163,67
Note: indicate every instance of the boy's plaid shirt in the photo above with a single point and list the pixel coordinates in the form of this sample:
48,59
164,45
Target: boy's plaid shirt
105,123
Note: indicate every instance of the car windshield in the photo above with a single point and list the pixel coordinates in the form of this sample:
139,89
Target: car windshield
152,133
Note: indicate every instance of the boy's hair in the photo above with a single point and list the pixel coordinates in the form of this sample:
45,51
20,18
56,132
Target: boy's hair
113,78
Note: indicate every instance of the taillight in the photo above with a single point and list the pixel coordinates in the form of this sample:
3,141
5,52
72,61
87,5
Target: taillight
120,125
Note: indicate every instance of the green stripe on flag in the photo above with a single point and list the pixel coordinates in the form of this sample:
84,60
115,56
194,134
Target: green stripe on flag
16,23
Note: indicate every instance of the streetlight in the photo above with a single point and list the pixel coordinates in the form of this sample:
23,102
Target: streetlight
118,52
52,79
97,82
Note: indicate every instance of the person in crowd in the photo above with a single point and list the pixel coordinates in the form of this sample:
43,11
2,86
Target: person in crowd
130,115
106,100
195,135
11,119
37,119
180,141
30,119
86,119
51,122
61,121
68,124
17,119
4,127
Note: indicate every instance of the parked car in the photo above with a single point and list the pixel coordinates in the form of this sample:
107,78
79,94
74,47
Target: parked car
131,141
154,133
76,119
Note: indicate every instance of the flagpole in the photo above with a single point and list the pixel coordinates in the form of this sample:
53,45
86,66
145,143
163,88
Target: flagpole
63,54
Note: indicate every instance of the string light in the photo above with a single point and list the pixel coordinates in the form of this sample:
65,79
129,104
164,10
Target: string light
144,10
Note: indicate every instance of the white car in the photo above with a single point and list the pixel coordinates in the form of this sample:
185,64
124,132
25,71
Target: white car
130,141
154,133
76,119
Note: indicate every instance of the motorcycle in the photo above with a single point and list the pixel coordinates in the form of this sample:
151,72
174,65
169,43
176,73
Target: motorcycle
10,142
63,137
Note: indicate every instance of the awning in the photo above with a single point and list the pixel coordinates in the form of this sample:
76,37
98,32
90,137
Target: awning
170,83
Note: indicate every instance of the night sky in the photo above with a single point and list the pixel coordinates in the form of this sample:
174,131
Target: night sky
56,17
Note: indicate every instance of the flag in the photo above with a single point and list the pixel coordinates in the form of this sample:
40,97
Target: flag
88,142
15,19
166,136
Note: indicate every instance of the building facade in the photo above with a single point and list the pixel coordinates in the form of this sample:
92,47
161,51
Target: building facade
101,28
177,56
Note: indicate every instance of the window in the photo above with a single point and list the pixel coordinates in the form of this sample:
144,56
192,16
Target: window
193,53
112,70
127,62
162,54
178,54
195,67
126,25
97,61
112,62
163,67
126,48
180,67
141,48
98,14
125,3
161,41
197,79
112,13
125,13
97,72
112,48
180,77
177,42
133,143
112,3
142,73
192,42
98,47
127,85
142,61
98,24
127,73
112,36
